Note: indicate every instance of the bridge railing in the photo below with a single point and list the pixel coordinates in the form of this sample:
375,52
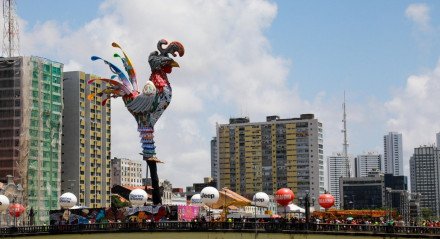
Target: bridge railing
272,227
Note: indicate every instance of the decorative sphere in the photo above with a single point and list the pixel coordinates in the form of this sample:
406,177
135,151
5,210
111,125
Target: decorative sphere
209,195
68,200
196,200
4,203
16,209
326,200
138,197
284,196
261,199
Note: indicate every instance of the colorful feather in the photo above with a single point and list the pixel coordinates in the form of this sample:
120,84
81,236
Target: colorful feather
114,83
116,71
128,66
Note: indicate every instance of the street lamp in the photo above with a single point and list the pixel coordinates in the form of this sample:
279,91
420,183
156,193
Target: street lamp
307,202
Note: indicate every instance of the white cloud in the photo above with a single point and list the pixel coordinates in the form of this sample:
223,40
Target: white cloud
414,111
227,62
419,13
228,69
73,66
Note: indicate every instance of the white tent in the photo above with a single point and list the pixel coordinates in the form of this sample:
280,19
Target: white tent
294,209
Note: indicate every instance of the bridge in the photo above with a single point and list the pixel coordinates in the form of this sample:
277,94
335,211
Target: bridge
219,230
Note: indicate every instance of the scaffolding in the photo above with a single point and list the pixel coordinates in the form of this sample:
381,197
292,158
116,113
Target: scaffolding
30,129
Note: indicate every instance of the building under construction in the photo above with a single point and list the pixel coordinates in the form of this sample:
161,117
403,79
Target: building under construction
30,129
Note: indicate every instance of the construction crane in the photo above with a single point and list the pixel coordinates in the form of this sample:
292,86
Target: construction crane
11,36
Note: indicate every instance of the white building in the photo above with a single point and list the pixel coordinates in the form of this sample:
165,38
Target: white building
337,168
393,155
438,140
214,161
178,199
126,172
425,177
366,163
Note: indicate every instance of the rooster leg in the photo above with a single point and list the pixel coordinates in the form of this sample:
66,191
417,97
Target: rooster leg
154,181
147,140
149,153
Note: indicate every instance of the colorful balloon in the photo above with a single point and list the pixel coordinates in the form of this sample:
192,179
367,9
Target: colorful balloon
261,199
68,200
4,203
196,200
326,200
209,195
16,209
138,197
284,196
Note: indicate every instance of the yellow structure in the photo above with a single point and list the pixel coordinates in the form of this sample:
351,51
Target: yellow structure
86,142
269,155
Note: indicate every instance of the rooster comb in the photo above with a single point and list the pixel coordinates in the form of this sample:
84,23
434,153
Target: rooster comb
172,48
160,58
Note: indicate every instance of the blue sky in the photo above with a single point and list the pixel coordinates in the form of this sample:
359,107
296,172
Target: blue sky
259,58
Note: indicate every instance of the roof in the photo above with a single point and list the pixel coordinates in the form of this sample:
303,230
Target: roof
228,198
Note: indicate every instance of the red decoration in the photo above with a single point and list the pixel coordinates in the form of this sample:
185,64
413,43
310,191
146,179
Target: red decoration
284,196
326,200
16,209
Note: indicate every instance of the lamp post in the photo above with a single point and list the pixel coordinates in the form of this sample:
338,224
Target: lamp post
307,202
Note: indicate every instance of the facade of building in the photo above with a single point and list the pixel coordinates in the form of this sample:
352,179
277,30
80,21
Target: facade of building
425,177
167,192
30,129
269,155
207,182
336,166
437,137
363,164
376,190
214,160
86,142
126,172
362,192
393,153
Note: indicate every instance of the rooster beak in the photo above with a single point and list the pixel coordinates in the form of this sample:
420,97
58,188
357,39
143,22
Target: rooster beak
174,64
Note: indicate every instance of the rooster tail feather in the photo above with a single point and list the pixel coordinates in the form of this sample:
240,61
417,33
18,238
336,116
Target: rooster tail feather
104,101
113,83
116,71
90,97
128,66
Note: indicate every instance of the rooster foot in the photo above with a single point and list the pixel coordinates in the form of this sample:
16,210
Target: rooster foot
154,159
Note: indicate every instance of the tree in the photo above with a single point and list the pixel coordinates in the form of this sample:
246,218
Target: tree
426,213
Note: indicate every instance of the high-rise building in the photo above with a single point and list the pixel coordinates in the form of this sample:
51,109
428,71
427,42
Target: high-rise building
30,129
126,172
214,160
336,169
266,156
438,140
425,177
393,155
366,163
86,142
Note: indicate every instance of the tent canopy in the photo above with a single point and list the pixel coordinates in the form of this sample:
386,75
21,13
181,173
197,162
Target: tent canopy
295,209
230,198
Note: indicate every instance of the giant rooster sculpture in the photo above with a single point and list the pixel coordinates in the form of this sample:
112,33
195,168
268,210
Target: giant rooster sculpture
146,106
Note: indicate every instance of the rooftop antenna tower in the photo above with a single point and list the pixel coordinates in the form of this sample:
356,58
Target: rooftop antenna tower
345,143
11,38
